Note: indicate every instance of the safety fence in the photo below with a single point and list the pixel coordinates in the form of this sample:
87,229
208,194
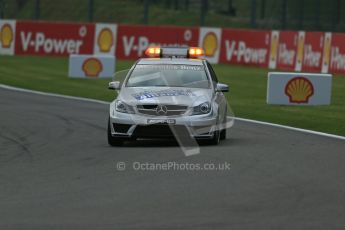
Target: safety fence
287,50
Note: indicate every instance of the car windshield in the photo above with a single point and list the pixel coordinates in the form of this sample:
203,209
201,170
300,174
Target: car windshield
191,76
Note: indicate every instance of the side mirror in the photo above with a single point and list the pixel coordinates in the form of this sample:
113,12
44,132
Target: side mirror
222,87
115,85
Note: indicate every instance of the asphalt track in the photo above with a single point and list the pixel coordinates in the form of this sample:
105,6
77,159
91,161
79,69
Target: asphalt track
57,172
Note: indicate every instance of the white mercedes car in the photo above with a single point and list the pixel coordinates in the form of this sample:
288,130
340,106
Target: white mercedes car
171,94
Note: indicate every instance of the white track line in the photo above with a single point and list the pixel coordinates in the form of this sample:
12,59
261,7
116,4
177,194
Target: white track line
237,118
53,94
292,128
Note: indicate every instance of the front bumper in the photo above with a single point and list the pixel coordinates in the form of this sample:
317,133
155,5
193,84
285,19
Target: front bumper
136,126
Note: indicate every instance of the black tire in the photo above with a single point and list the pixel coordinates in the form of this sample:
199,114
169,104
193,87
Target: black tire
215,139
113,141
223,131
223,134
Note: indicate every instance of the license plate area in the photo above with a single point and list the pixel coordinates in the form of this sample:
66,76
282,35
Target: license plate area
161,121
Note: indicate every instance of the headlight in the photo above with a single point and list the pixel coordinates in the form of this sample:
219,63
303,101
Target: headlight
122,107
203,108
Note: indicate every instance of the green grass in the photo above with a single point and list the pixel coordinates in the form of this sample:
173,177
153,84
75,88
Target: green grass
247,94
49,74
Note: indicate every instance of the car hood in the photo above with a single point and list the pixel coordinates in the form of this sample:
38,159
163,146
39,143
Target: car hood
165,95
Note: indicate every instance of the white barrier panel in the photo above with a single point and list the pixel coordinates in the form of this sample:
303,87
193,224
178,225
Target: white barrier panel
299,88
90,66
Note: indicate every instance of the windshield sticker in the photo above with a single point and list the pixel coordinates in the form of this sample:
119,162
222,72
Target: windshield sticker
171,67
163,93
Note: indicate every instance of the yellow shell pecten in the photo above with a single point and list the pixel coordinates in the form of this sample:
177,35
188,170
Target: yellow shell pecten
299,90
105,40
210,44
6,36
92,67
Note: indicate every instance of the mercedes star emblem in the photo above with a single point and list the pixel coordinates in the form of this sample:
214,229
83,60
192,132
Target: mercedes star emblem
161,110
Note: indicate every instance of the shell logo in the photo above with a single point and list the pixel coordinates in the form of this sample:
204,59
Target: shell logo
210,44
92,67
299,90
105,40
6,36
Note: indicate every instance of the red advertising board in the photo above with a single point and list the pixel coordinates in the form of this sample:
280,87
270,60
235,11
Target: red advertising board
132,40
337,62
287,50
313,49
57,39
246,47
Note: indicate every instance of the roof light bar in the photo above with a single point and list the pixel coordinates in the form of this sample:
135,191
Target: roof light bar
153,52
195,52
175,52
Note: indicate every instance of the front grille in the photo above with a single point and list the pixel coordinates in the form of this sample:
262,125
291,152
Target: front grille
159,131
171,110
121,128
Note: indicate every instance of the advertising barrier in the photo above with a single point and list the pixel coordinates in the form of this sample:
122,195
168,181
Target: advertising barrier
337,56
210,40
286,50
326,54
133,40
55,39
312,51
283,50
105,39
245,47
300,50
91,66
299,88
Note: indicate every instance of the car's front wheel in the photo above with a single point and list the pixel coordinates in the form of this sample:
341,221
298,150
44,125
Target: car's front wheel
113,141
215,139
223,134
223,131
